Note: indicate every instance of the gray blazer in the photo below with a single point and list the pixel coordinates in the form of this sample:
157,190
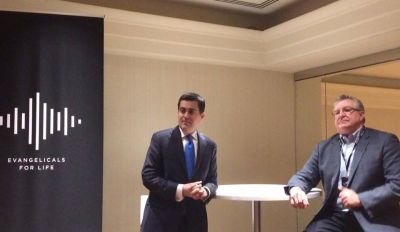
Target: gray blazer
374,175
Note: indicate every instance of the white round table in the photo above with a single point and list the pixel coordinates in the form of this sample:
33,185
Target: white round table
257,193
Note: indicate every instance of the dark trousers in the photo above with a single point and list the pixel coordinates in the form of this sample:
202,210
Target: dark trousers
337,221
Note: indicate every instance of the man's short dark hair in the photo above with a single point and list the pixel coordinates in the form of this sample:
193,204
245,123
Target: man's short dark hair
193,97
359,104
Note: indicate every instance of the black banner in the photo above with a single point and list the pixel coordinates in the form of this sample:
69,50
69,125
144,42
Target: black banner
51,123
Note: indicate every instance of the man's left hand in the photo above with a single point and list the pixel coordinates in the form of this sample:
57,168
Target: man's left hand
200,194
349,198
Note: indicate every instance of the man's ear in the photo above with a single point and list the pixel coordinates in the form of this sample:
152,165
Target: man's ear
203,115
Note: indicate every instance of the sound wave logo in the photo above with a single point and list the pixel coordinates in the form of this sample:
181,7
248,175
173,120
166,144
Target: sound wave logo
47,121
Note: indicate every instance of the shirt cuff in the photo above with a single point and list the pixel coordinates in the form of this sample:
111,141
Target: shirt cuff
179,194
208,192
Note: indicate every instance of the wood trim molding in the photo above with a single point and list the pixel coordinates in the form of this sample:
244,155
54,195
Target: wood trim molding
377,58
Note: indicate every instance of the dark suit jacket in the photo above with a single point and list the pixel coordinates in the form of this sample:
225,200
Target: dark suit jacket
165,168
374,175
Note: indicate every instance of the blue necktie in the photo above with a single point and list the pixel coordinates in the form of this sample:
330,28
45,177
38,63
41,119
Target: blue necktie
189,156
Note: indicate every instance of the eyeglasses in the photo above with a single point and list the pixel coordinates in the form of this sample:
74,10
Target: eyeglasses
189,111
346,111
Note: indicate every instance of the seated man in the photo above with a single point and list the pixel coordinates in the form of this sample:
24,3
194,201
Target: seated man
359,168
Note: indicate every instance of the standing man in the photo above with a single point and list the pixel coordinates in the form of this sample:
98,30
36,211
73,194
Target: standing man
359,169
180,171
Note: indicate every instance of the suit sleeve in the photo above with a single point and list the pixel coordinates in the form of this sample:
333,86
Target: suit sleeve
388,193
153,172
308,177
211,180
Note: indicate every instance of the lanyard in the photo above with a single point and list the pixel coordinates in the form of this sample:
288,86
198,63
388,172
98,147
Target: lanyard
347,162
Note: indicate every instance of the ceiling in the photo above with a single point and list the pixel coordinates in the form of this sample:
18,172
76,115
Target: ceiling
250,14
296,35
306,37
250,6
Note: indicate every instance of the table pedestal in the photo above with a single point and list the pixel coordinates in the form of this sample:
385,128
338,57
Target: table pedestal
257,193
256,216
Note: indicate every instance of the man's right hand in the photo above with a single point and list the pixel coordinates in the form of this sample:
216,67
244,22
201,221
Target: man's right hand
298,198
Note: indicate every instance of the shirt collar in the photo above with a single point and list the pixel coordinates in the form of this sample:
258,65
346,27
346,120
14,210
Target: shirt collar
352,137
194,134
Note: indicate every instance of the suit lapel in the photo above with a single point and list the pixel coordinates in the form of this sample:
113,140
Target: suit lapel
201,145
334,162
176,147
358,154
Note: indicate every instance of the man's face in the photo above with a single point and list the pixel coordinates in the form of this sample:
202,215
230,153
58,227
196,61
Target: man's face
189,116
347,117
